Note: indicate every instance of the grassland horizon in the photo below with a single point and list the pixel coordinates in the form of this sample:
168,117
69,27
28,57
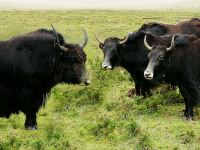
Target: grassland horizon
99,4
101,115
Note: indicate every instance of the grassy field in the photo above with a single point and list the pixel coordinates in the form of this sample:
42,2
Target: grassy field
99,116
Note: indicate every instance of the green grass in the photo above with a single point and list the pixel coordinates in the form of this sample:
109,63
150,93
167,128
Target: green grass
99,116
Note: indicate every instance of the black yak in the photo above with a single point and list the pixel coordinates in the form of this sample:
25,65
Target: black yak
33,63
131,54
177,58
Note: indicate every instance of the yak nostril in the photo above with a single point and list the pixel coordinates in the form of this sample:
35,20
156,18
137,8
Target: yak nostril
87,82
146,73
104,65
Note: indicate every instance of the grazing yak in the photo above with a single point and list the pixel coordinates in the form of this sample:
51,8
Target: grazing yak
177,58
31,64
131,54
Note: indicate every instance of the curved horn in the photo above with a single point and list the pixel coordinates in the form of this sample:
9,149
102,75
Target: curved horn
146,44
126,39
82,45
57,40
172,44
98,40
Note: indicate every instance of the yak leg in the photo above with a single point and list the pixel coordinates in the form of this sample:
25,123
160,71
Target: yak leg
145,90
30,122
137,89
188,113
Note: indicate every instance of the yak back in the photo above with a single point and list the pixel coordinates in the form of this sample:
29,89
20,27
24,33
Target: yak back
191,26
28,55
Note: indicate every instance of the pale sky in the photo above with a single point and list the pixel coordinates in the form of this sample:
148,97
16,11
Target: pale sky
99,4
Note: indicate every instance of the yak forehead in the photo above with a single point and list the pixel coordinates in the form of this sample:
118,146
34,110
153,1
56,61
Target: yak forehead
165,41
156,41
111,39
76,52
111,43
158,51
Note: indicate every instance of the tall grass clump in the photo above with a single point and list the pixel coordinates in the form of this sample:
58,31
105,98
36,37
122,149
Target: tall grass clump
54,133
103,127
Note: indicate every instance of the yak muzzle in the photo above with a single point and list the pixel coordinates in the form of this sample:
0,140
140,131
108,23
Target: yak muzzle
85,79
87,82
106,66
148,75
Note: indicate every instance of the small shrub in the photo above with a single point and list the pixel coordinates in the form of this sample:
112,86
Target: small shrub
112,105
143,142
103,128
187,137
54,132
90,96
133,129
150,105
14,139
127,107
38,144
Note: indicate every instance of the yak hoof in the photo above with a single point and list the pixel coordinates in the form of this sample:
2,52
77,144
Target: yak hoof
189,118
185,113
32,127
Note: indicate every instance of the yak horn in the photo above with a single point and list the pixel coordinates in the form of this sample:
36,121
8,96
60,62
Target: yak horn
126,39
57,40
172,44
146,44
82,45
98,40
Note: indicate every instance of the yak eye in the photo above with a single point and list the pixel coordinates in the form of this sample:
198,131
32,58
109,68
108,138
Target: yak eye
160,57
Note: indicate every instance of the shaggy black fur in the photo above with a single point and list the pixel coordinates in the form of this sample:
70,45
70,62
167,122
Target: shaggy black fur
133,56
181,67
31,65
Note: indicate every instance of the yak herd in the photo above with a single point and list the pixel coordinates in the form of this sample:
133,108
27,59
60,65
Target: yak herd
33,63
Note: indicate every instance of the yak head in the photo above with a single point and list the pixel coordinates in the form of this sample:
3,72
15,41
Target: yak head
111,49
157,56
72,59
